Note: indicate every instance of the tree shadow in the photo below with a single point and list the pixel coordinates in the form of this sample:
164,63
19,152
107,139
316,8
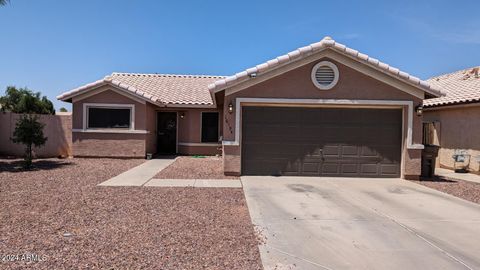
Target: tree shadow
16,165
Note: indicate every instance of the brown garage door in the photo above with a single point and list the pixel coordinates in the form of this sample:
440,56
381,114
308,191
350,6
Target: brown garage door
321,141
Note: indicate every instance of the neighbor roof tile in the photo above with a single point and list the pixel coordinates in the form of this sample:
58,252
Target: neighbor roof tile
460,87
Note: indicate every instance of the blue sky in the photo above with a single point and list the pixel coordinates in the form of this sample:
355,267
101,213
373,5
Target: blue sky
54,46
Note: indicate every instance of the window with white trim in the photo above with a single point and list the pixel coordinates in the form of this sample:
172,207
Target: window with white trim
109,117
325,75
210,127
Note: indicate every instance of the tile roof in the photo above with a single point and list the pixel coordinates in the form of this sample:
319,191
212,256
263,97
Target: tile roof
325,43
158,88
460,87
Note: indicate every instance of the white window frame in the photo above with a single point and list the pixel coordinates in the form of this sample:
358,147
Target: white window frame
87,106
335,73
201,125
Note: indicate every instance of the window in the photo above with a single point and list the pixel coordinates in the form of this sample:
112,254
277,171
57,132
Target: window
109,117
210,127
325,75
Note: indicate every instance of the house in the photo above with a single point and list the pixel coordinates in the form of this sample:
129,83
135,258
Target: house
453,121
323,109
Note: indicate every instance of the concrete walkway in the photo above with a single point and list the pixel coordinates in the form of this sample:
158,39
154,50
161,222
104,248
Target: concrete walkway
200,183
139,175
461,176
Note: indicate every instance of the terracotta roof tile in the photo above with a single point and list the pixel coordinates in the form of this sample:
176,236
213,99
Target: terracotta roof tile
305,51
159,88
460,87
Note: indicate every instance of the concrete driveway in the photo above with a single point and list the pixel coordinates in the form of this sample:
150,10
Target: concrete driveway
338,223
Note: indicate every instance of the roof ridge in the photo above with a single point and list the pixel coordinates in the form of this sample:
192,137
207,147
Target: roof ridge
167,75
326,43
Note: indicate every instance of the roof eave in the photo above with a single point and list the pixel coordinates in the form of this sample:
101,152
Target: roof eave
326,43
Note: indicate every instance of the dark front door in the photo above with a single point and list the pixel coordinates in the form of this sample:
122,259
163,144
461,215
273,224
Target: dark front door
321,141
166,132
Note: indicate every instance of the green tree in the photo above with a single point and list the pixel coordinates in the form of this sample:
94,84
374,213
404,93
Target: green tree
62,109
29,132
23,100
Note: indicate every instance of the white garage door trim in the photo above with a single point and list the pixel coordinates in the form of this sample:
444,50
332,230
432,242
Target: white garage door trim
342,102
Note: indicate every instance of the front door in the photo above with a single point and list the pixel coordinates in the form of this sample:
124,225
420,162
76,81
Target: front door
166,133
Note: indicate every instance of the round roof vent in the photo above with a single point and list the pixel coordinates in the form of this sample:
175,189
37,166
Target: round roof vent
325,75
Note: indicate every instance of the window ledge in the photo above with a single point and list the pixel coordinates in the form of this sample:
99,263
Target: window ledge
111,131
199,144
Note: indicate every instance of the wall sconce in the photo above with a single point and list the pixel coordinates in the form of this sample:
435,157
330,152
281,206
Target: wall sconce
419,110
182,115
230,108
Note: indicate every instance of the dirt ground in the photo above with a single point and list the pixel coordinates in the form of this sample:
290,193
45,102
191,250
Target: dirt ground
58,213
195,168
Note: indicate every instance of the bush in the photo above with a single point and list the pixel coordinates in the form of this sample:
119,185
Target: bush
29,131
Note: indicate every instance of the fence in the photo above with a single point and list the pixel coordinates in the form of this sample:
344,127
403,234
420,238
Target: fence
58,130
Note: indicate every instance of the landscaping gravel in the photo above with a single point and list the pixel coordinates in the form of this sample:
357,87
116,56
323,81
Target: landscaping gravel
463,189
195,168
58,213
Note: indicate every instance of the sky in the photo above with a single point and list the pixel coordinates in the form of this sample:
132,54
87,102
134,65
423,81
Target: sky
54,46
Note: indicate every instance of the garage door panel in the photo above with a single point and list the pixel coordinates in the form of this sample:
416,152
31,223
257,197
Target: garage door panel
349,168
350,150
330,168
321,141
369,168
388,169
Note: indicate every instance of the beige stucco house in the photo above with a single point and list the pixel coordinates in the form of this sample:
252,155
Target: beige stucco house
453,121
321,110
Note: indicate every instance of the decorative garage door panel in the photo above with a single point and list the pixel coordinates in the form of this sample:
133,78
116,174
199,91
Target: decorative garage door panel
321,141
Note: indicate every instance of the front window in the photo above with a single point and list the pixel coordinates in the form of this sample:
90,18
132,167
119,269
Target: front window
109,118
210,127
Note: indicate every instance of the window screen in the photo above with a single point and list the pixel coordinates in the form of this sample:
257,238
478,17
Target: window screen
109,118
210,127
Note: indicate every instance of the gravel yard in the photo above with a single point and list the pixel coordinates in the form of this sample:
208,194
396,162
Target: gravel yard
195,168
60,214
463,189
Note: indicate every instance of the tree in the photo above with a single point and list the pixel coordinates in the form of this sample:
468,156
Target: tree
23,100
29,131
62,109
4,2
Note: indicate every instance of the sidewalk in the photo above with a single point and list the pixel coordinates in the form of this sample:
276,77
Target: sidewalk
139,175
470,177
199,183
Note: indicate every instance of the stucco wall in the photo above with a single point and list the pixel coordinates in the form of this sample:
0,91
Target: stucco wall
58,130
297,84
459,129
189,131
112,97
109,144
137,145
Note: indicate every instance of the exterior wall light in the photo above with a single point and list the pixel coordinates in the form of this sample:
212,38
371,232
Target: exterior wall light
230,108
182,115
419,110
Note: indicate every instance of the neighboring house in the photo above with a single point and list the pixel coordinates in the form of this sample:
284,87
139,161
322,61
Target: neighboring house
453,121
323,109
